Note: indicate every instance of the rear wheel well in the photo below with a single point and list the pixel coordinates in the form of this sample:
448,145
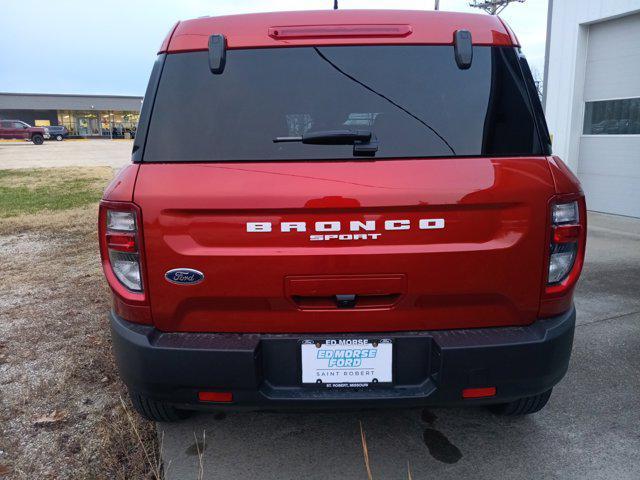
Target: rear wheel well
522,406
156,410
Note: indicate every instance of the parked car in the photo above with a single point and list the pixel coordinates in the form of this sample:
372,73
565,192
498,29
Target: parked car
356,208
57,132
17,129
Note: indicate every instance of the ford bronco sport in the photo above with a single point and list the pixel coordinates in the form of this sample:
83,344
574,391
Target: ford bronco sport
342,209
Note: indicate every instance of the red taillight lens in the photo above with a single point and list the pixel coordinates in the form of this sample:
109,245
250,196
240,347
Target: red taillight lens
566,233
122,242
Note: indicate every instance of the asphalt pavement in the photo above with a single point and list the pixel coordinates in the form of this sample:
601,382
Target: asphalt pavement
589,430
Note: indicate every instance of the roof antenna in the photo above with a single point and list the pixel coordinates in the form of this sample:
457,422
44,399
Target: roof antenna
335,4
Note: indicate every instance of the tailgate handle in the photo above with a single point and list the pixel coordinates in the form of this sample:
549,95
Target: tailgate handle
342,301
327,292
346,301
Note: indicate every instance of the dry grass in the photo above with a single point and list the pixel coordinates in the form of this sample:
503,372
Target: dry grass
365,452
24,191
200,453
35,178
60,413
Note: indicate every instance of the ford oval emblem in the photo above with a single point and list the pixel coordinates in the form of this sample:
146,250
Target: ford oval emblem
184,276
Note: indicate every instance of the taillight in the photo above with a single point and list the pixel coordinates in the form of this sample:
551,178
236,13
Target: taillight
123,253
120,247
564,240
567,242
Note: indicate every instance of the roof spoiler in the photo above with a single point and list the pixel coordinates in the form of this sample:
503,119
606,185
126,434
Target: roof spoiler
217,53
463,48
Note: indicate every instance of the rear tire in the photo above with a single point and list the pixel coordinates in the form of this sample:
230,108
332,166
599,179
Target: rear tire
59,138
522,406
156,410
37,139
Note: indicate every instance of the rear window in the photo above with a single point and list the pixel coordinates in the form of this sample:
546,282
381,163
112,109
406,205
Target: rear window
415,100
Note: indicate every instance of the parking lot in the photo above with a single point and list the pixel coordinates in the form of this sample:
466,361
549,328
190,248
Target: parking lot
588,430
68,153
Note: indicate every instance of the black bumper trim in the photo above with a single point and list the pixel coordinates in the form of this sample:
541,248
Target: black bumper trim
262,370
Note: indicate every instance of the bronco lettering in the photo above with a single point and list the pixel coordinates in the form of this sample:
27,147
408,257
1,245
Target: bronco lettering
354,226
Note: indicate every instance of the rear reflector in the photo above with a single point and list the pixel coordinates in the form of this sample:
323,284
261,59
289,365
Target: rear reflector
479,392
220,397
338,31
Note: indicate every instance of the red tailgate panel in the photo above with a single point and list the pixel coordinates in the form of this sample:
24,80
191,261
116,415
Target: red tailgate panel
484,268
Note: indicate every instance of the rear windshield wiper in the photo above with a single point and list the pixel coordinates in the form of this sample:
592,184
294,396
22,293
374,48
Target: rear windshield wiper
329,137
364,142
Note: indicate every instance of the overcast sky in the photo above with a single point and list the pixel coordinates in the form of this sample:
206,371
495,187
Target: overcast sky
108,47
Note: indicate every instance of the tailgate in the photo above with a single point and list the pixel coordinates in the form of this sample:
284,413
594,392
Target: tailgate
358,246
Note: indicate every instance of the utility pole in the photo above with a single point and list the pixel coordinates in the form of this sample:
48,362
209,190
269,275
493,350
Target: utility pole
493,7
437,6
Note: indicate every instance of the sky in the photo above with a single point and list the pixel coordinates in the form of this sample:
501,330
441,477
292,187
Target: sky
98,47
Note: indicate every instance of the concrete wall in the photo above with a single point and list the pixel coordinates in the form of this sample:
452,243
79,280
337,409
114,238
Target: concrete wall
566,66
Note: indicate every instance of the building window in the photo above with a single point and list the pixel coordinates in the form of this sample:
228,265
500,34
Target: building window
87,123
68,119
108,124
612,117
124,124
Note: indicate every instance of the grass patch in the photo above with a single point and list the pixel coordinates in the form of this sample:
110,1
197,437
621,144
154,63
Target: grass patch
30,191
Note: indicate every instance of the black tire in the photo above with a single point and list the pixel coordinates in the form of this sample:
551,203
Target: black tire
156,410
522,406
37,139
59,138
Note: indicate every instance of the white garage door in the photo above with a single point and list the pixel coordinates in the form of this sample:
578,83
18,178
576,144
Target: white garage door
609,161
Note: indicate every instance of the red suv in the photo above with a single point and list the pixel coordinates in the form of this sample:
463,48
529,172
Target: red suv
342,209
17,129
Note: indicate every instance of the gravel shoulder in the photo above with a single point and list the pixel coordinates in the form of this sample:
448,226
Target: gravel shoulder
61,413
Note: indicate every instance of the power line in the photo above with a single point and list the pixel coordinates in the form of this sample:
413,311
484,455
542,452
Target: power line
493,7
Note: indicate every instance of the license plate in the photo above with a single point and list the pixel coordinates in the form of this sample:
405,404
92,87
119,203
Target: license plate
346,362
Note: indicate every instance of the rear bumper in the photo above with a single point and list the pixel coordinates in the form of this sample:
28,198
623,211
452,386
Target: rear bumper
263,370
